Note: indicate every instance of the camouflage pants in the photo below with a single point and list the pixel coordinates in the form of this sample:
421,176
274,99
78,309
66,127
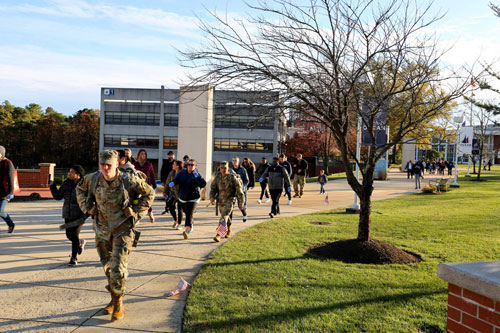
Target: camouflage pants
298,184
113,252
225,210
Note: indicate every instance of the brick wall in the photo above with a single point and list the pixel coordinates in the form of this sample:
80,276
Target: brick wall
36,178
471,312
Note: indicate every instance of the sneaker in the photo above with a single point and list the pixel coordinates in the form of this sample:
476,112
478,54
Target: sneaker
267,200
289,202
259,201
82,246
174,226
164,212
11,230
178,227
73,262
245,219
271,215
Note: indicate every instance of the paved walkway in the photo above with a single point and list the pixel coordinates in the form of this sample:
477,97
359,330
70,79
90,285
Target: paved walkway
40,293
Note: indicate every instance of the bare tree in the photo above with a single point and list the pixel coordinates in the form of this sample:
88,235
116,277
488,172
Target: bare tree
328,58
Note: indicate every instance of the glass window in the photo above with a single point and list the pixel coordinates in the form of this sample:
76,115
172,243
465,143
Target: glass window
243,144
130,141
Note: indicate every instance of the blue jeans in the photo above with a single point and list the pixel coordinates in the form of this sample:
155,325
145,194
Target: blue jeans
4,215
322,188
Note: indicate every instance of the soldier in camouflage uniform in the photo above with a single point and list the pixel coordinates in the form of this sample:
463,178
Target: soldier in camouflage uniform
226,188
114,199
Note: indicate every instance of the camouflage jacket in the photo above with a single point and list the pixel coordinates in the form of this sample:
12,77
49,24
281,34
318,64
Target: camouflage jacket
111,199
227,187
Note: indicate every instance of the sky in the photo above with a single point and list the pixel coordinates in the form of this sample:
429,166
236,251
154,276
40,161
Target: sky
59,53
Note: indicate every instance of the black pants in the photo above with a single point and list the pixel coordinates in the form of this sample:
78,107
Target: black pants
275,196
288,194
177,215
73,234
263,190
189,208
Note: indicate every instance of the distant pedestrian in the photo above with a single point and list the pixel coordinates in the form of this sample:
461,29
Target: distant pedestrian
277,178
7,188
190,182
128,153
242,172
185,160
166,167
250,168
322,180
417,172
409,169
73,216
173,204
288,167
142,164
226,189
490,162
263,185
299,168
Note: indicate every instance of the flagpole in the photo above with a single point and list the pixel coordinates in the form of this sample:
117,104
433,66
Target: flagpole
470,155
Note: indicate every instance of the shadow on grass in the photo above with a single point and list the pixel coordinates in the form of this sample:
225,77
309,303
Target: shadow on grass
234,323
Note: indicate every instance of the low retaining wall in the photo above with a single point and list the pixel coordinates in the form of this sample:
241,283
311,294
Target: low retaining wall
473,296
36,178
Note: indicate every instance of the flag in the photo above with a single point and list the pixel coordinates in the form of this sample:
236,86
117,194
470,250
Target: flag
222,229
181,287
326,201
472,83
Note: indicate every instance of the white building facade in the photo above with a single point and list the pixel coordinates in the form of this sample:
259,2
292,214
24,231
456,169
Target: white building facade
207,124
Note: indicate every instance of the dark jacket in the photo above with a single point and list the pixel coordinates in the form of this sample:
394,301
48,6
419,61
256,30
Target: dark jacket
67,191
288,167
251,177
165,170
147,168
6,177
300,165
277,177
189,185
261,169
242,172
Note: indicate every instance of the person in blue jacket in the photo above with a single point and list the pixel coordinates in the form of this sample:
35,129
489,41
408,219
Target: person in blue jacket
190,182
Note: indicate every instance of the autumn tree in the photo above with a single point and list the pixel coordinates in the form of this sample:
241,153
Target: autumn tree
325,57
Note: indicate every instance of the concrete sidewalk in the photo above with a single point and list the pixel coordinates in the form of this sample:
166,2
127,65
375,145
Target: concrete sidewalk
40,293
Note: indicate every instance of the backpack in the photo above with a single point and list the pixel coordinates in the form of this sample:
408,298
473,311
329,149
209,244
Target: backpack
128,200
15,183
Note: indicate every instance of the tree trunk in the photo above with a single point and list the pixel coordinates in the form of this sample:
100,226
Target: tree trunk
365,207
326,162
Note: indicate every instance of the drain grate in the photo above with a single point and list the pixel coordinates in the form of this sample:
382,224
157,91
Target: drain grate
320,223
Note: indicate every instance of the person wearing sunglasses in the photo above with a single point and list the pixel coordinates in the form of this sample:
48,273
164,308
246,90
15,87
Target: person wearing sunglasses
190,182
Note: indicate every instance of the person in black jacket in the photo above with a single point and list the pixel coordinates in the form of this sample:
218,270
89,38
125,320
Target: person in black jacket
167,167
6,188
190,182
288,167
299,168
72,214
277,178
263,185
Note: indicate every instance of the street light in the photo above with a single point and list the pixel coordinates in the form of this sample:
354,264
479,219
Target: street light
459,120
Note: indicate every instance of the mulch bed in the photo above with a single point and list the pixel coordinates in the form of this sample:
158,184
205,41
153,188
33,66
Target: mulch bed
370,252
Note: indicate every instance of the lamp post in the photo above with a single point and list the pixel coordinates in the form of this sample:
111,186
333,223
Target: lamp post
459,121
355,206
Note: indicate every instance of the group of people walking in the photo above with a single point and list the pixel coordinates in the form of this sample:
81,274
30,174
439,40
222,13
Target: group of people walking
122,191
417,169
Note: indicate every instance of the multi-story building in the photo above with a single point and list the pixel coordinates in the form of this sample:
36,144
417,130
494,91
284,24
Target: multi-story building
207,124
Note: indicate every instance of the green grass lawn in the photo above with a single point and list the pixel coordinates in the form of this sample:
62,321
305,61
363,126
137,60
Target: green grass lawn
264,280
330,177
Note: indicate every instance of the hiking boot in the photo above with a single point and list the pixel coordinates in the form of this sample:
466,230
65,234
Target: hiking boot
151,217
217,238
73,262
296,195
108,309
118,309
11,230
82,246
229,232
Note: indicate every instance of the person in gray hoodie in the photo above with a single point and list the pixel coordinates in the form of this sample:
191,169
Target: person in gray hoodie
277,178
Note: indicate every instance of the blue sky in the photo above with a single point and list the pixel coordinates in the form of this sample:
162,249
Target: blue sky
60,52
